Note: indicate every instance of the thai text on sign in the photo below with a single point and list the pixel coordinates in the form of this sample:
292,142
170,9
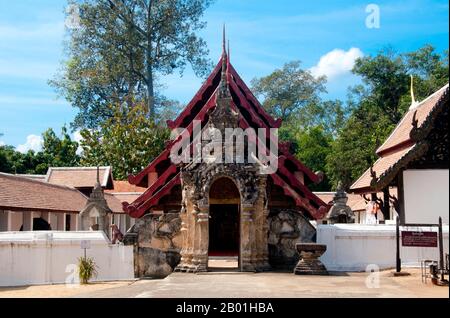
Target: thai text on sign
419,239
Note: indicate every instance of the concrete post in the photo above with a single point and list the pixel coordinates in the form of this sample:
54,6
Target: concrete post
61,222
246,230
27,221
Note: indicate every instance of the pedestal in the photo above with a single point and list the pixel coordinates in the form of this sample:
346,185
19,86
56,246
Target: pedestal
309,263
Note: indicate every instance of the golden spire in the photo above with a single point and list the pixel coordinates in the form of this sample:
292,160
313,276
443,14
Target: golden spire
223,89
413,99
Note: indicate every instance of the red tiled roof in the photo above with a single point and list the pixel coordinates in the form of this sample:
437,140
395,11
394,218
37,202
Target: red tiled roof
25,194
125,186
400,135
399,148
79,177
114,203
379,167
252,115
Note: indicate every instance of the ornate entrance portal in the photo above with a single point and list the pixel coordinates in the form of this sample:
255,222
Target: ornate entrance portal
224,186
224,230
224,223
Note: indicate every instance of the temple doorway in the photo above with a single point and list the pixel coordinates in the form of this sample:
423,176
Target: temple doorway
224,224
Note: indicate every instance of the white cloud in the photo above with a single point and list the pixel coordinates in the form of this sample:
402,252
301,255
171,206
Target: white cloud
2,143
33,143
336,62
78,138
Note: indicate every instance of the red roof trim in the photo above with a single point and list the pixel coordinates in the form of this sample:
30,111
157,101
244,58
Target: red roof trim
258,107
198,97
299,201
139,211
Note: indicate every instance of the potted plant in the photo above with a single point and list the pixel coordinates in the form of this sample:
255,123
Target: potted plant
86,269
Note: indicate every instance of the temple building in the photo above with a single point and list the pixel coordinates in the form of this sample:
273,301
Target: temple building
209,206
414,160
54,201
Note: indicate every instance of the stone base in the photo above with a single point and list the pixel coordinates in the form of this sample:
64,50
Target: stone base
310,267
309,263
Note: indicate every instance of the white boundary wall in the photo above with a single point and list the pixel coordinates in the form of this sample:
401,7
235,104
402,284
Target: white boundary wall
35,258
352,247
426,196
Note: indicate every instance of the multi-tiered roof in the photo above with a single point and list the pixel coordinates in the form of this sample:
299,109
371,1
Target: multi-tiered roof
225,80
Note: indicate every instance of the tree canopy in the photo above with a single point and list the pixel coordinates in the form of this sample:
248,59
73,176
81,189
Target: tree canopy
128,141
56,152
119,49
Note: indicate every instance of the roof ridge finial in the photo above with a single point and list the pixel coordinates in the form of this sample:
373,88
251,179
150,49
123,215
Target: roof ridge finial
224,50
98,174
223,89
413,99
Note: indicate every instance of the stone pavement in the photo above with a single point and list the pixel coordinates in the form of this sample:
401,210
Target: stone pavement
275,285
246,285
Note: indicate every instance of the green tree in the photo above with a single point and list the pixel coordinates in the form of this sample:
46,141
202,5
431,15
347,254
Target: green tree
289,90
56,152
60,151
122,46
378,105
128,141
313,146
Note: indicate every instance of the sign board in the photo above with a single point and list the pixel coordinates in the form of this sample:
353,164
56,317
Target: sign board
85,244
419,239
426,196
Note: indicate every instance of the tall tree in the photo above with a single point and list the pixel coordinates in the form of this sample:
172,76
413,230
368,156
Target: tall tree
121,46
288,90
128,141
379,104
56,152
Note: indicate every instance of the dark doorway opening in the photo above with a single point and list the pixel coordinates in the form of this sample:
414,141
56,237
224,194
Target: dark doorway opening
39,224
224,230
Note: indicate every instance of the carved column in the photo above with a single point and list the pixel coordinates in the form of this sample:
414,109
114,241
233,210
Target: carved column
200,259
246,237
182,267
192,216
262,227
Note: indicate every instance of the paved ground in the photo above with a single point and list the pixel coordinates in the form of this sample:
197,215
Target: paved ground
58,291
245,285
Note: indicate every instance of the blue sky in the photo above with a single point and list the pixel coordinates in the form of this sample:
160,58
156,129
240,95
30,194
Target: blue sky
264,34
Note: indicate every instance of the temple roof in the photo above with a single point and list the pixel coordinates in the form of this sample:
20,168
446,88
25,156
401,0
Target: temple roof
404,143
79,177
24,194
251,115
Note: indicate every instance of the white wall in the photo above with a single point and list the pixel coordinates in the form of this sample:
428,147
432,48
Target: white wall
33,258
351,247
426,196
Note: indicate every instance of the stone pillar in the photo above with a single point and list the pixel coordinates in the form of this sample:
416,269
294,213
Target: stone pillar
27,221
182,267
74,222
265,245
61,222
262,228
191,216
53,220
246,238
200,259
5,221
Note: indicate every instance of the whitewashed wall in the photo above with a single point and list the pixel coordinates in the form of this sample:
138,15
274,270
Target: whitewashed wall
426,196
34,258
352,247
